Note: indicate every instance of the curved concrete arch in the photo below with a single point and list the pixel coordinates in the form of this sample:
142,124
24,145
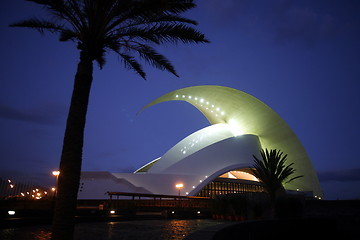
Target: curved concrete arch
246,114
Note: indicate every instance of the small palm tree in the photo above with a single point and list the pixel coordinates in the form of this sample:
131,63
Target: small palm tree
126,27
273,172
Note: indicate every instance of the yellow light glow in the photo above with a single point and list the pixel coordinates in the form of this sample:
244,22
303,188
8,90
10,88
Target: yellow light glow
239,175
56,173
179,185
112,212
235,127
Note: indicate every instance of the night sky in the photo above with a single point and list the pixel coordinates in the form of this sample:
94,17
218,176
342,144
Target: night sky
301,58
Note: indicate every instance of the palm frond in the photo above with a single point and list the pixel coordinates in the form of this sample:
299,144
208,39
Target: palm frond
39,25
178,32
66,35
155,59
120,26
131,63
272,170
164,33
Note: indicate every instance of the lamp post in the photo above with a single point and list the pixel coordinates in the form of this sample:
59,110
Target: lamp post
179,186
56,174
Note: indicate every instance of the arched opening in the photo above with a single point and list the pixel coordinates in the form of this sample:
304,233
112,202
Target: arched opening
232,182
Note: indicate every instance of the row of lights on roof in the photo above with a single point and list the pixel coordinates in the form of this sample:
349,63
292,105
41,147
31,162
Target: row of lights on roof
179,186
202,101
193,143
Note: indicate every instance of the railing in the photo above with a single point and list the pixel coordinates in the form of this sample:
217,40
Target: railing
139,200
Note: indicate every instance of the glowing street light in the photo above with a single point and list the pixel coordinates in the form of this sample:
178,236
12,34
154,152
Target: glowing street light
56,174
179,186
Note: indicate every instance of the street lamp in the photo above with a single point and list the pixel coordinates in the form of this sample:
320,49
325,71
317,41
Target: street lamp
179,186
56,174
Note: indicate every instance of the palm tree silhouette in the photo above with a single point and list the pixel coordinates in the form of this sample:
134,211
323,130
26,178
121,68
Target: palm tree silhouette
126,27
273,172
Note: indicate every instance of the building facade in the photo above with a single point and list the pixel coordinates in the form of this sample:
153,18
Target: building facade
216,159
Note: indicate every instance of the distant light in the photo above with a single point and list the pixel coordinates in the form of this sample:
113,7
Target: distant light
177,96
202,100
179,185
56,173
183,96
198,212
200,180
11,213
187,193
193,186
189,97
217,109
196,98
173,212
207,103
222,113
212,105
112,211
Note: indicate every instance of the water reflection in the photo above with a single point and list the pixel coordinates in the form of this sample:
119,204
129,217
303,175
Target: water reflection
25,233
148,229
178,229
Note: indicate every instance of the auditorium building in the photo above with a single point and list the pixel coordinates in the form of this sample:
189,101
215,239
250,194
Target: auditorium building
217,159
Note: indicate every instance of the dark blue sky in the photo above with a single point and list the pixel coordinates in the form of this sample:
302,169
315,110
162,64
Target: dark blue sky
302,58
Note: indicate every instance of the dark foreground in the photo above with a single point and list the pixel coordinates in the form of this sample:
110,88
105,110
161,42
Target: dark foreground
129,230
294,229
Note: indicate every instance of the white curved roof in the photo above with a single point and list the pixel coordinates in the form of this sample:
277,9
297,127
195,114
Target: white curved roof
192,144
241,113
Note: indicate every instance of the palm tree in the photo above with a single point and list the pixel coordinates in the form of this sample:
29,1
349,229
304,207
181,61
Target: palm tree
126,27
273,172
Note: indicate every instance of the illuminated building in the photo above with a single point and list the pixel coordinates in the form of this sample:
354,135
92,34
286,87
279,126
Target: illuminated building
216,159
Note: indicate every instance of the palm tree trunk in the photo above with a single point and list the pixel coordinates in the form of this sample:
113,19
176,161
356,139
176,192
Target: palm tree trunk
71,157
